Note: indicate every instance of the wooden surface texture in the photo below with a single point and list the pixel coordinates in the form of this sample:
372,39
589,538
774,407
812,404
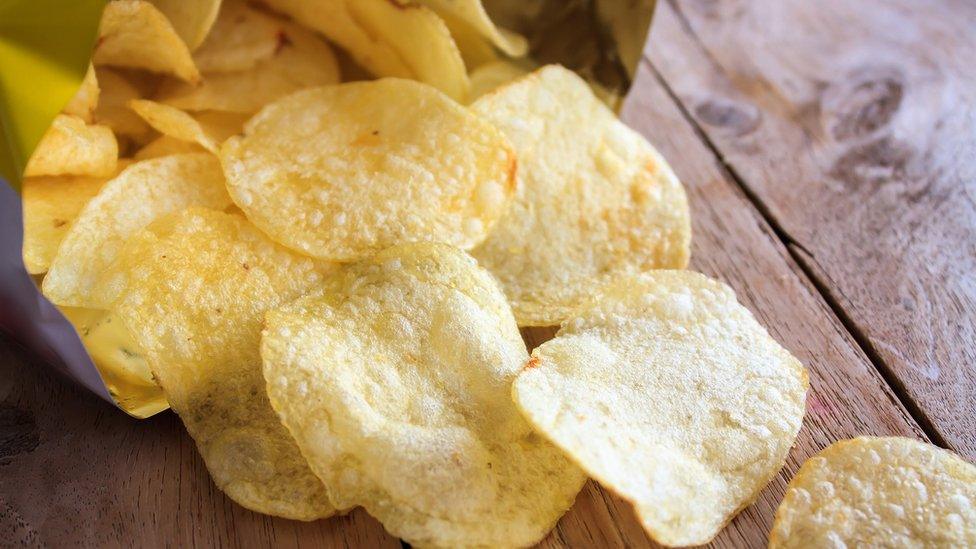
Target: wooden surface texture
829,153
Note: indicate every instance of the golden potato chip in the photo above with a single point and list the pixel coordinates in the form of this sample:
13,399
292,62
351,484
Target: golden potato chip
133,33
208,130
51,204
71,147
303,60
240,39
139,195
473,14
595,200
387,37
192,20
166,146
341,172
113,110
395,383
669,393
491,76
83,103
119,359
196,286
879,492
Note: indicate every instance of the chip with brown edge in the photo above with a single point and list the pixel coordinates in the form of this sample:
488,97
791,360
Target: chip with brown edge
133,33
195,288
395,381
300,60
879,492
140,194
595,201
399,38
71,147
342,172
669,393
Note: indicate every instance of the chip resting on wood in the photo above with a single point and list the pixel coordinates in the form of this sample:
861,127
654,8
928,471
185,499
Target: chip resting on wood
342,172
396,383
669,393
879,492
195,288
595,201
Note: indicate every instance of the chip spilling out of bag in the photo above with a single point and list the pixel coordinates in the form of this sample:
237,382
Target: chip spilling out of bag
595,201
342,172
195,286
879,492
669,393
139,195
395,380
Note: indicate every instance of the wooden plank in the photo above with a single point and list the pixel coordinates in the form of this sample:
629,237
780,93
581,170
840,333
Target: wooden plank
853,124
75,471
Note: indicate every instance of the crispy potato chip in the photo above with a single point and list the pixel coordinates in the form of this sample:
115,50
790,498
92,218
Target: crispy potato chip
50,205
208,130
113,110
142,193
595,201
240,39
133,33
119,359
491,76
879,492
71,147
388,37
83,103
473,14
166,146
669,393
396,382
303,60
344,171
196,286
192,20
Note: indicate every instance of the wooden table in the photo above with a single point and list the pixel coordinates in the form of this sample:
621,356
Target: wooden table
829,150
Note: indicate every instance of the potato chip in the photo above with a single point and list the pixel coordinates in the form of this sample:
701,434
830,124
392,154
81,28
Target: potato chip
83,103
303,60
595,201
50,205
192,20
388,37
669,393
133,33
140,194
473,14
240,39
395,383
119,359
493,75
208,130
879,492
113,110
344,171
71,147
196,286
166,146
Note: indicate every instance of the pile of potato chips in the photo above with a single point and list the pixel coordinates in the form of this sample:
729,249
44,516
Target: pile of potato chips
316,227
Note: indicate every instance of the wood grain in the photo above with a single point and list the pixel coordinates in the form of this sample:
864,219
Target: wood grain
74,471
852,125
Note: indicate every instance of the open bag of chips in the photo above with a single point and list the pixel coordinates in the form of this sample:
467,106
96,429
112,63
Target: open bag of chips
314,229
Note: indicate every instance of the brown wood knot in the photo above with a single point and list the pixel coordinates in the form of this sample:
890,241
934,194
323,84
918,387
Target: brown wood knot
864,102
737,118
18,431
880,161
